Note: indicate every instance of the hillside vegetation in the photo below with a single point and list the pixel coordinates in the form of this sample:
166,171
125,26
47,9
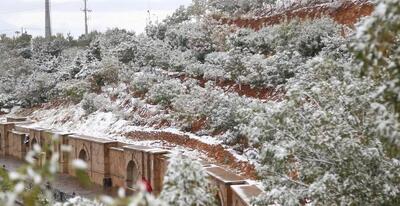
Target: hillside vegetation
325,132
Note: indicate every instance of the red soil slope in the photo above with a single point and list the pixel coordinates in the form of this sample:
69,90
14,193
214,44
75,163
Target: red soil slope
347,14
216,152
263,93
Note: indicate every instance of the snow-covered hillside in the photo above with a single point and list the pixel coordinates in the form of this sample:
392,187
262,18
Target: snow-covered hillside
308,107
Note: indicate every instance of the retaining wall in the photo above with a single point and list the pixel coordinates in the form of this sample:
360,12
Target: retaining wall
112,163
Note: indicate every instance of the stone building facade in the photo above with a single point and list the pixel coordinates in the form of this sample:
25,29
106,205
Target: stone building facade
112,163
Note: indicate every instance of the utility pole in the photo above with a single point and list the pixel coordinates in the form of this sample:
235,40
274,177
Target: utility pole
48,21
86,10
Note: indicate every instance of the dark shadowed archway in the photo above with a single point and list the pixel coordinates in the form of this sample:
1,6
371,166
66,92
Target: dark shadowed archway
83,155
34,141
132,174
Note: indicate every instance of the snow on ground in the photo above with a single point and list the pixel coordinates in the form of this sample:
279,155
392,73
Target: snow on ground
109,122
107,125
99,124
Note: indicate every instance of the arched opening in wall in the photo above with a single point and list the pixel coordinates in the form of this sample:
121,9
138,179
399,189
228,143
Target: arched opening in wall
34,142
132,174
26,143
83,155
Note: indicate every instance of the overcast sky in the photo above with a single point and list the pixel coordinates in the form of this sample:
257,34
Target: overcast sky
67,17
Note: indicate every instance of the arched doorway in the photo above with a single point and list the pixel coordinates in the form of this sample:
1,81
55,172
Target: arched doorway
26,143
34,141
132,174
83,155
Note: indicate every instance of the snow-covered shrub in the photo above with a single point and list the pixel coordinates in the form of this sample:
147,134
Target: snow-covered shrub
310,40
235,65
316,142
253,41
152,53
156,30
213,67
119,43
23,82
52,47
239,8
180,61
88,104
227,6
306,37
35,89
196,69
116,43
188,185
106,74
218,108
72,90
253,69
113,38
143,81
85,64
193,36
377,46
93,102
191,106
164,92
180,15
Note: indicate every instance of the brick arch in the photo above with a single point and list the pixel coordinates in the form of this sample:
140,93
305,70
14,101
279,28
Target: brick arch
132,174
26,145
34,141
84,153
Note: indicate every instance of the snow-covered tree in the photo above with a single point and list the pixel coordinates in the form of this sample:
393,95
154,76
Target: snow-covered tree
188,185
164,92
191,35
316,145
378,48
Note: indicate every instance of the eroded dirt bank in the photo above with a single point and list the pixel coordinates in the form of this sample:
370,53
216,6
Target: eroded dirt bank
347,13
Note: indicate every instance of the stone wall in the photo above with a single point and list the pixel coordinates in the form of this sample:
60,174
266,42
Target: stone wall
111,163
243,194
95,152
